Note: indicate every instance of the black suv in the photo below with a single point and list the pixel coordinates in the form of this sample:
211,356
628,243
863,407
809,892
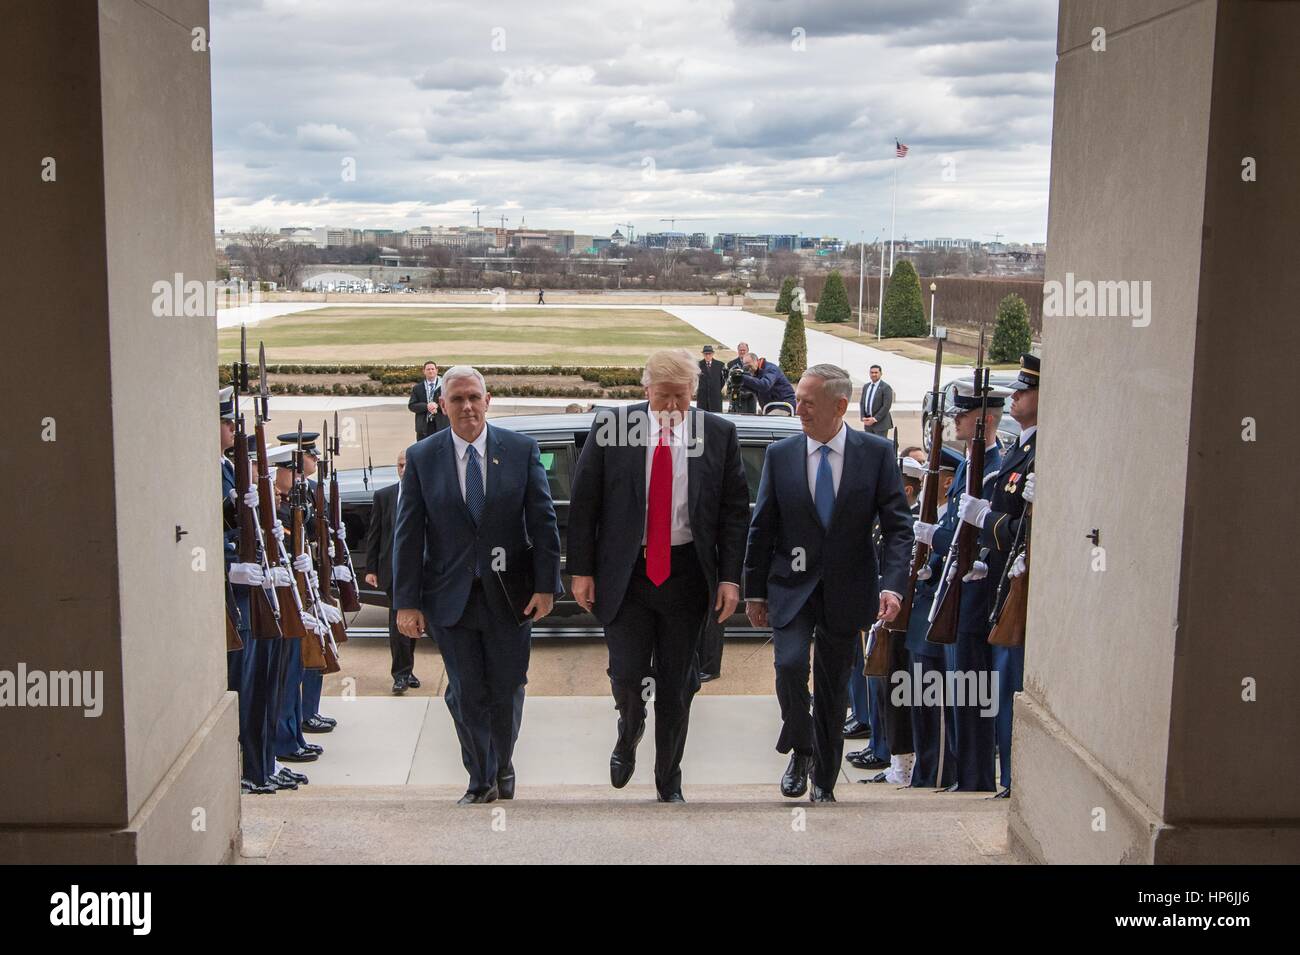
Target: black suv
560,437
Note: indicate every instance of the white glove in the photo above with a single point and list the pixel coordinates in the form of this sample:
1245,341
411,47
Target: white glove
280,577
331,613
250,575
925,573
1028,492
302,563
341,572
314,578
924,532
331,550
1017,566
310,622
978,571
952,571
973,510
250,497
343,531
278,528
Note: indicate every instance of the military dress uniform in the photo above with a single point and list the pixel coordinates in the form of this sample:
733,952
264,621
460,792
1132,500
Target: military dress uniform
970,733
999,533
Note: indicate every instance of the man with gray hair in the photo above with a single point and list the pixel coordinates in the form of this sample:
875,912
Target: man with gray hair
810,568
476,559
656,541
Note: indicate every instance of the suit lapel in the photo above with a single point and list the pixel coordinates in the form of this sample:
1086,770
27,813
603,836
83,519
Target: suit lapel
637,417
799,451
694,433
853,464
444,448
497,459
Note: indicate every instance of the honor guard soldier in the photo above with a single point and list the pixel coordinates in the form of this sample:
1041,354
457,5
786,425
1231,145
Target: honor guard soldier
968,727
1000,522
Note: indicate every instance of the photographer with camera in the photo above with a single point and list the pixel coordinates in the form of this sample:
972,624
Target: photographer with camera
739,400
768,384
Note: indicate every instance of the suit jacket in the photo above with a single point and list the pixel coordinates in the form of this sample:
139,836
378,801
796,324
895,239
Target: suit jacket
708,395
770,384
841,558
881,402
379,536
437,545
608,504
975,595
425,423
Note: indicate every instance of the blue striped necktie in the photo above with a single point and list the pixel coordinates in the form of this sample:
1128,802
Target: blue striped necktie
474,497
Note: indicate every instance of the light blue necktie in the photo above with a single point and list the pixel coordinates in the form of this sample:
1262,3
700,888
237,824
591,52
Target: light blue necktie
824,498
474,497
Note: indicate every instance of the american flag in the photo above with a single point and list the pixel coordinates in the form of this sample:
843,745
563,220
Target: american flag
899,149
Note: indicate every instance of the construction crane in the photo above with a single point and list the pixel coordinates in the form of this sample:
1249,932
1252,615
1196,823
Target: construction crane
477,224
997,236
672,221
631,230
504,220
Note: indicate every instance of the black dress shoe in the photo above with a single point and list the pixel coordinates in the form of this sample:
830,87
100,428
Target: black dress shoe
1005,794
315,748
413,682
477,797
820,795
867,761
855,730
315,724
707,677
328,720
622,762
878,778
254,789
506,783
399,687
281,782
299,756
674,796
948,789
794,783
288,774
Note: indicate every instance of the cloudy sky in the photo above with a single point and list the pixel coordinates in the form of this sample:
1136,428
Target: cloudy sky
757,115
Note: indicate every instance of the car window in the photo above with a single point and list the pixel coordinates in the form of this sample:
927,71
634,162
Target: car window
752,456
558,461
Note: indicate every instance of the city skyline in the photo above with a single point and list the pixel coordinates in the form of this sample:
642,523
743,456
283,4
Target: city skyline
726,118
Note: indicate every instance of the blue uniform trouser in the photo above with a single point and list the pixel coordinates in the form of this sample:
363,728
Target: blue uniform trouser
312,682
932,730
972,661
1009,662
876,696
288,728
859,693
272,664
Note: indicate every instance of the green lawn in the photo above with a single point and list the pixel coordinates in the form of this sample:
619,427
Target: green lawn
511,336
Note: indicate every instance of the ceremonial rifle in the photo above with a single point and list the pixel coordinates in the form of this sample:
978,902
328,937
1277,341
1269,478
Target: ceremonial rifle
961,553
929,512
1009,630
287,598
265,612
315,645
324,563
349,598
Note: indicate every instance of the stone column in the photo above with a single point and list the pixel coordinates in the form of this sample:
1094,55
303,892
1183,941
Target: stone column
1160,717
110,442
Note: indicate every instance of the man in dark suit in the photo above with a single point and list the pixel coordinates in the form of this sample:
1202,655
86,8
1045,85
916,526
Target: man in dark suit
747,404
708,395
429,415
877,398
476,557
379,560
811,571
657,522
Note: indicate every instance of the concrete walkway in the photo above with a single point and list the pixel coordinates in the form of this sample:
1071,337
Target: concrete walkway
385,789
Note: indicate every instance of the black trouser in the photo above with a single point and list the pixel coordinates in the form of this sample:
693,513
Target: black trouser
400,646
898,705
487,667
819,733
711,635
653,644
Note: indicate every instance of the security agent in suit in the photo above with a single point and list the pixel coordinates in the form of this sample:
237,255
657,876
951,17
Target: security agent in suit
999,519
876,400
379,558
811,570
748,403
708,394
657,523
430,417
969,729
476,559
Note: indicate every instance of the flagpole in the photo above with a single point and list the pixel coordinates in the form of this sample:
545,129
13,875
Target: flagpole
862,252
893,213
880,299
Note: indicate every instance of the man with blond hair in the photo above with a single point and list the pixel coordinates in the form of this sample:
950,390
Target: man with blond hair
657,523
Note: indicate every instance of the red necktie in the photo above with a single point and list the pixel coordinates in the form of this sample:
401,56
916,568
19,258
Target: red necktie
659,513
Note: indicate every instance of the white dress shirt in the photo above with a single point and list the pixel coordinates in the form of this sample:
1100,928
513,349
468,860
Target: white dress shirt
681,510
836,459
462,457
1026,434
871,397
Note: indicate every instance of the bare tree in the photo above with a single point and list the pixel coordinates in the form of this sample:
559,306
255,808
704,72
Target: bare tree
259,241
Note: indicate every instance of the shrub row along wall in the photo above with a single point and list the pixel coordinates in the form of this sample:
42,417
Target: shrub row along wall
963,302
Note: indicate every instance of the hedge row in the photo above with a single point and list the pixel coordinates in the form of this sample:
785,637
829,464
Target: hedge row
503,391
